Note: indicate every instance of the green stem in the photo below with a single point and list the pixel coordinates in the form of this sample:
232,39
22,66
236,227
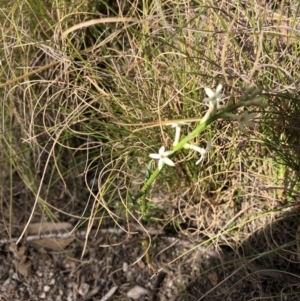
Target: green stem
200,127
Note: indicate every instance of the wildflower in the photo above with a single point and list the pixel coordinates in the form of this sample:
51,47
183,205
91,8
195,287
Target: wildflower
202,151
177,126
214,98
162,157
245,119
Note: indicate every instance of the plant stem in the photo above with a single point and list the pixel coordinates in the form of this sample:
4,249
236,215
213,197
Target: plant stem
200,127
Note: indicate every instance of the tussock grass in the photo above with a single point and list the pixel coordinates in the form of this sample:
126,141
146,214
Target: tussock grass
86,88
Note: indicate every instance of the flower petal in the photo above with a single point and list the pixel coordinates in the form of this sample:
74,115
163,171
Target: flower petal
219,89
241,126
160,164
161,150
195,148
209,92
207,100
169,162
168,153
201,158
250,123
155,156
177,124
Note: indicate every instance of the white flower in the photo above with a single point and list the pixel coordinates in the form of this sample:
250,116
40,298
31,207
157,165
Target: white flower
177,126
214,98
245,119
202,151
162,157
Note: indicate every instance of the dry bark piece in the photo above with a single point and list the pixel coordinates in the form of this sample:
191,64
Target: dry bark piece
21,263
24,268
109,293
55,243
40,228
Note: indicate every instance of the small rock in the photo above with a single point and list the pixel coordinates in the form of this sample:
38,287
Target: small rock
42,296
136,292
52,281
46,288
83,289
125,267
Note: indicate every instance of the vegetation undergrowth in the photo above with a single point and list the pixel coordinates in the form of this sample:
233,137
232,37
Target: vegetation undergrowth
91,88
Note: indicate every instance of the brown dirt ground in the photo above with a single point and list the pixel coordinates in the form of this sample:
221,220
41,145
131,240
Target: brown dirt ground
247,272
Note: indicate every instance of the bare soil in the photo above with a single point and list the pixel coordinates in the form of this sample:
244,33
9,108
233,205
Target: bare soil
265,267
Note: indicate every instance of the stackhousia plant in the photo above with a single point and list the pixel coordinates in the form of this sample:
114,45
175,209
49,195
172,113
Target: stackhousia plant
216,110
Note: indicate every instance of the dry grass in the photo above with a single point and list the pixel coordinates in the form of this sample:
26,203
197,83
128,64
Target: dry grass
82,82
